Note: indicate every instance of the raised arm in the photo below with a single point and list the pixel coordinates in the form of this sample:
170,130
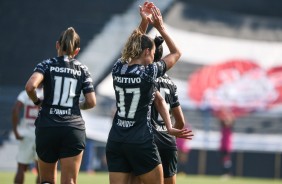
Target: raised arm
157,22
146,14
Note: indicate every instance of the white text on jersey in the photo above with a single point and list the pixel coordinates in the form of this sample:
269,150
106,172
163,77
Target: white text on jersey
160,79
65,70
60,111
127,80
124,123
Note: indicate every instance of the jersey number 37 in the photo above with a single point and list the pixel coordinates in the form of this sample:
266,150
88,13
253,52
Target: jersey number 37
133,104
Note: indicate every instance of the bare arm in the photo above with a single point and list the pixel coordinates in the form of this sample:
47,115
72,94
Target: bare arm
145,13
33,82
161,107
175,53
89,102
179,117
16,118
180,121
143,26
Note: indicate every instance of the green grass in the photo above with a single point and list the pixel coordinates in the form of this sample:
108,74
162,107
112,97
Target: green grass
102,178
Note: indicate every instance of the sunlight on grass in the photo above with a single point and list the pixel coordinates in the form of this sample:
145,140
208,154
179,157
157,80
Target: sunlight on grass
102,178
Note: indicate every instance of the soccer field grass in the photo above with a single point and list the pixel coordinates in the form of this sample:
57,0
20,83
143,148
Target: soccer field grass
102,178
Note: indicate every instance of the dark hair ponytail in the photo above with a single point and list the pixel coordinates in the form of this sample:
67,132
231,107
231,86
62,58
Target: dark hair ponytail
159,48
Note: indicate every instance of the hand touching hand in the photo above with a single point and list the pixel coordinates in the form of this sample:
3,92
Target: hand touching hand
157,19
146,10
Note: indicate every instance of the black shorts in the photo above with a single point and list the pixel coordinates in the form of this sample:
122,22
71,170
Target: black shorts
131,157
169,161
54,143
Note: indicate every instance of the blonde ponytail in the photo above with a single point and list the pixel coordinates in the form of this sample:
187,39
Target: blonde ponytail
135,45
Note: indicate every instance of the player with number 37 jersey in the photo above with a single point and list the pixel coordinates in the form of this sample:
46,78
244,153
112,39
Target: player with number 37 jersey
135,83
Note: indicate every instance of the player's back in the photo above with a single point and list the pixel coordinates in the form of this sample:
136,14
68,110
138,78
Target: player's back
64,79
134,90
168,91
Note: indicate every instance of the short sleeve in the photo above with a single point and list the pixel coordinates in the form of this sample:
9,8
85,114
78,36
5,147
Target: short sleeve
155,70
42,67
87,84
22,97
174,95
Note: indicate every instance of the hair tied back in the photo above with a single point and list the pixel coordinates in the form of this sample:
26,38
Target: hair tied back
158,40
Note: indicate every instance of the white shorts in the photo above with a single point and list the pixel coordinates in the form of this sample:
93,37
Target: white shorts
27,153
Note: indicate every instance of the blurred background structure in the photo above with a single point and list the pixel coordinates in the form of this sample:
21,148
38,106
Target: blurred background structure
209,32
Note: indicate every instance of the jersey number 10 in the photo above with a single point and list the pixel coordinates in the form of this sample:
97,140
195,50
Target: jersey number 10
64,91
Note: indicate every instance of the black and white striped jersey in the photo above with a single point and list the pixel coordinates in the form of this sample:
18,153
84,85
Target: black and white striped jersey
64,80
134,91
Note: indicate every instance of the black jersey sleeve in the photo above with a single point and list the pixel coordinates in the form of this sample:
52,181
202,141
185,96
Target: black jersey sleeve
161,65
87,84
163,84
174,95
154,70
42,67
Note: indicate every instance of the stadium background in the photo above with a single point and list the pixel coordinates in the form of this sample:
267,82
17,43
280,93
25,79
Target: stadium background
29,31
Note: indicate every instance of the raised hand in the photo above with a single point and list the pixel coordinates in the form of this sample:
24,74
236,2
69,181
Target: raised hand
157,19
146,10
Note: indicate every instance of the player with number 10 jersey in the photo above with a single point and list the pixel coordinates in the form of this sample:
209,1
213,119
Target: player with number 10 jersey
64,79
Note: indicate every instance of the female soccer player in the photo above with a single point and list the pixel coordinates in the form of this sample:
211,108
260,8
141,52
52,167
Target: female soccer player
130,146
60,129
165,142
